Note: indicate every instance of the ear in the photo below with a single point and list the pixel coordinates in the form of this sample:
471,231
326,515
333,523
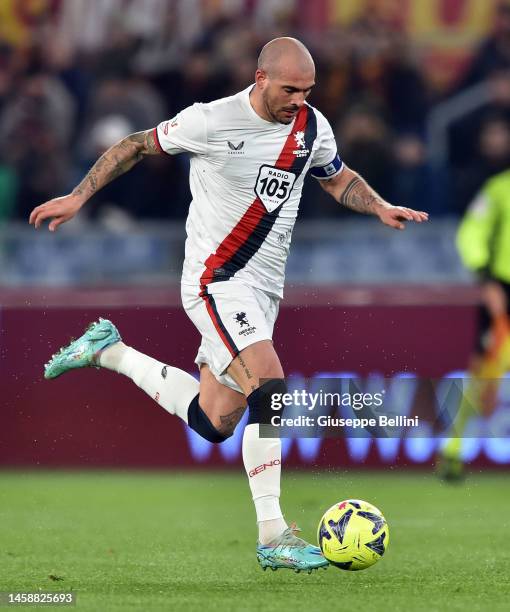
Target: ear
261,78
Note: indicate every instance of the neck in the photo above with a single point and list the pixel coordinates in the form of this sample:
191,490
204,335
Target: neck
257,103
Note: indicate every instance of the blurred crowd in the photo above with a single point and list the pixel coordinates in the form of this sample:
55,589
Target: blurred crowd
93,71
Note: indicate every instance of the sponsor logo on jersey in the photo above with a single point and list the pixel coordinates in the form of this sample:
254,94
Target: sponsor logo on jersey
235,149
274,186
301,151
219,272
172,123
164,372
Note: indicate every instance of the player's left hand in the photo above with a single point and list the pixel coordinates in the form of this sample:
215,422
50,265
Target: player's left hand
396,216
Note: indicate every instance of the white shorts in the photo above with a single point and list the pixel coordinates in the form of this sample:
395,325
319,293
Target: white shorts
229,316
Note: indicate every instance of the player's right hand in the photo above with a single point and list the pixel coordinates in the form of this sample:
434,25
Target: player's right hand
59,210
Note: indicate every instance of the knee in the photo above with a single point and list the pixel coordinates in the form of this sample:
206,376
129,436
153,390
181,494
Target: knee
261,400
200,422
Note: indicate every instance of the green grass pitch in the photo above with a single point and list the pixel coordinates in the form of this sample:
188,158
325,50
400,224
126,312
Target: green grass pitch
185,541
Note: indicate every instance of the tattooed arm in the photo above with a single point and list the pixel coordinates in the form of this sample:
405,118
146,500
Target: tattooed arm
119,158
349,189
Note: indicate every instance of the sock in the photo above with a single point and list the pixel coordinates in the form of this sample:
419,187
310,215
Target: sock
269,530
262,462
469,406
171,388
482,389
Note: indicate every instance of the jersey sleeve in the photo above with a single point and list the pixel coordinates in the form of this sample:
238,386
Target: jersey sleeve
186,132
326,162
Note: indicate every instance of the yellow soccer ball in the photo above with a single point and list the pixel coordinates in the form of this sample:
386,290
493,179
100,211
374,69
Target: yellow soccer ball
353,534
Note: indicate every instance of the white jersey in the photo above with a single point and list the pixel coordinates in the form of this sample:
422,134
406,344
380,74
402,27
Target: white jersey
246,178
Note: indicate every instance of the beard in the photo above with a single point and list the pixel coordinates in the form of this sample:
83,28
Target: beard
279,114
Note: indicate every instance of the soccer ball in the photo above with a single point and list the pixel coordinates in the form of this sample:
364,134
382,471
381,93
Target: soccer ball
353,534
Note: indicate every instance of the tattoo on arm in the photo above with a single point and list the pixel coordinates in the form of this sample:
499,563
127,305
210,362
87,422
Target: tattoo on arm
119,158
360,197
228,422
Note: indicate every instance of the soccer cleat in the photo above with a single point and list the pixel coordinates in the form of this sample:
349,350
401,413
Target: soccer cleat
450,469
81,353
290,552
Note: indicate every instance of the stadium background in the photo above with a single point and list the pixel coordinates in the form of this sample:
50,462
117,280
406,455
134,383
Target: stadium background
419,96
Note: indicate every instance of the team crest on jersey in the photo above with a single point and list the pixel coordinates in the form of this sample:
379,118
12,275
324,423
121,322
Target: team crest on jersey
242,320
299,137
301,151
235,149
240,317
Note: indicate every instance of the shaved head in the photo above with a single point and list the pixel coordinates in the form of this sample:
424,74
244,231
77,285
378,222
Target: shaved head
282,56
284,78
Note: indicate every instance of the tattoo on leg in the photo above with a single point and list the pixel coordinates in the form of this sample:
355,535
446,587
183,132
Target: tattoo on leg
249,375
228,422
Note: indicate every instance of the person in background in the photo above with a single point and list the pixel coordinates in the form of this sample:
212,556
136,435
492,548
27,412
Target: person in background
490,157
483,241
493,54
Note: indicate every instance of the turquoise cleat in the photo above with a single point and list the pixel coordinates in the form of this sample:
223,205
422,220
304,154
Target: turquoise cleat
81,353
290,552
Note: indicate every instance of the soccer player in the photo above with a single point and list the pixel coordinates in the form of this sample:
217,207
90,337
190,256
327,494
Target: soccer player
483,242
249,156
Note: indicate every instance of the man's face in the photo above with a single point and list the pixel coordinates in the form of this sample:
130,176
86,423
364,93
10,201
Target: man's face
284,95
